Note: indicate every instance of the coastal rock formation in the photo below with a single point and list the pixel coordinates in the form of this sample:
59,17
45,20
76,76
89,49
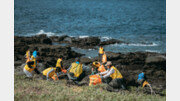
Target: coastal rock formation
129,64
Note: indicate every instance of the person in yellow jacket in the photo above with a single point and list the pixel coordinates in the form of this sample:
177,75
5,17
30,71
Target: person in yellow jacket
97,67
116,81
59,64
48,73
29,67
75,71
101,52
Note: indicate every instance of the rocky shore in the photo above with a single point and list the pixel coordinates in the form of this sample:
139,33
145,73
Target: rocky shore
129,64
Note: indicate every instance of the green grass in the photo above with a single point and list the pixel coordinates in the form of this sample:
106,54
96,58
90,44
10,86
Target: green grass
42,90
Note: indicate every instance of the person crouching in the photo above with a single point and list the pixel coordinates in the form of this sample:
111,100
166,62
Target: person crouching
75,71
117,79
49,73
31,66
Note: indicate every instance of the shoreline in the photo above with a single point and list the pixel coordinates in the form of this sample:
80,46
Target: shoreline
129,64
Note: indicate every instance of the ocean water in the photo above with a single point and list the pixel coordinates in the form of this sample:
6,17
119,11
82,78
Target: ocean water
142,23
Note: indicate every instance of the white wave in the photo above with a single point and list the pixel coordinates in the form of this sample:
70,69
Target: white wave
105,38
85,36
140,44
152,51
43,32
91,49
137,44
89,57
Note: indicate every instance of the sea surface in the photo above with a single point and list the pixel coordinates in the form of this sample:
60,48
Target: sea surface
142,23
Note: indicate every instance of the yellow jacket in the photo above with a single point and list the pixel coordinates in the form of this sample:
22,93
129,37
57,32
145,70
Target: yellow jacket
47,70
76,69
101,50
58,64
104,58
101,68
33,59
29,69
116,74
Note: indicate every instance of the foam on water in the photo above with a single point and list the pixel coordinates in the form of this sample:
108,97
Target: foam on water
154,51
85,36
105,38
43,32
136,44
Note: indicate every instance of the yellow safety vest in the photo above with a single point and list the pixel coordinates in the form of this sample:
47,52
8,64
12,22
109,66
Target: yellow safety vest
97,65
76,69
27,54
58,64
101,51
47,70
33,59
104,58
101,68
116,74
29,69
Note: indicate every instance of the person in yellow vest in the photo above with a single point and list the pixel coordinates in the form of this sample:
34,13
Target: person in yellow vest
48,73
97,67
101,52
59,64
104,58
75,71
31,64
117,81
29,67
27,55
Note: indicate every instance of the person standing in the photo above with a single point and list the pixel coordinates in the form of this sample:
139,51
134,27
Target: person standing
101,52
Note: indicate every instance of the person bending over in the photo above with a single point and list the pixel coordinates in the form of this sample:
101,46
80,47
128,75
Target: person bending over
117,81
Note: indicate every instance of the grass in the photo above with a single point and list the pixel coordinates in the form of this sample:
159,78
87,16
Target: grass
42,90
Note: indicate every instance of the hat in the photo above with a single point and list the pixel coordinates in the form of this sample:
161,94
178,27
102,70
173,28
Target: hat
35,54
108,63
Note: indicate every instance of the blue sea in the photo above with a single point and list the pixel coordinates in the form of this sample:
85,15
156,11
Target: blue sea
142,23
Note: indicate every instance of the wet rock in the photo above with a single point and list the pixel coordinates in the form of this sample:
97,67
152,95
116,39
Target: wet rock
86,43
111,41
113,56
86,60
58,38
46,41
155,59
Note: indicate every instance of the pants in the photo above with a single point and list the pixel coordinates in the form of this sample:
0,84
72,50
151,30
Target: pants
71,76
100,57
141,82
116,84
58,69
28,74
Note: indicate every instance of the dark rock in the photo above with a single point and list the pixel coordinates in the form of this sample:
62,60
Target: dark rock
85,60
113,56
111,41
46,41
58,38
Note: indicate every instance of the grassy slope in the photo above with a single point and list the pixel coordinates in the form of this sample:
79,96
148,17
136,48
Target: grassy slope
41,90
